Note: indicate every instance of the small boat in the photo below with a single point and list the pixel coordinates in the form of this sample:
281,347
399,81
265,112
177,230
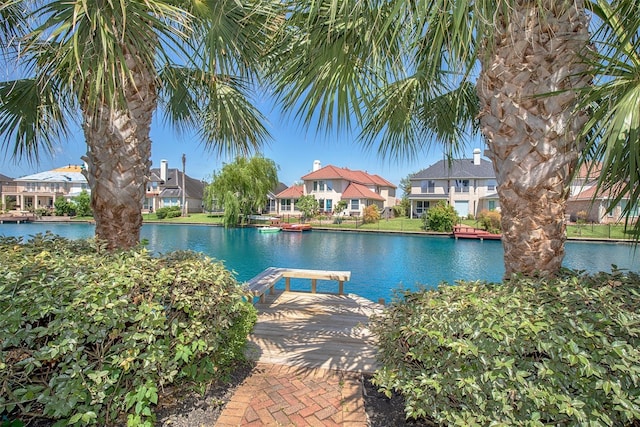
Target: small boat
464,232
296,227
268,229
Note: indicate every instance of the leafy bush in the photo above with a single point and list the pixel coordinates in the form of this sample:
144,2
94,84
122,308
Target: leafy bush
89,337
530,353
82,204
490,221
308,205
169,212
62,207
371,214
442,217
399,211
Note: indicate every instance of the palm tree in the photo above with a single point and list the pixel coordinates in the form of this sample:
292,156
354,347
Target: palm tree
109,65
613,131
404,70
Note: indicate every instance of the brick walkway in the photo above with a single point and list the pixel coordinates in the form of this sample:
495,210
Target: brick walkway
278,395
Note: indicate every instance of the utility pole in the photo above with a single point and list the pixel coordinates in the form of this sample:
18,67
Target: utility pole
184,190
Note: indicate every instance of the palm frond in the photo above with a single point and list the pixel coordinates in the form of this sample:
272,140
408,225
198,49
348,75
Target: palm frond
33,116
613,131
411,116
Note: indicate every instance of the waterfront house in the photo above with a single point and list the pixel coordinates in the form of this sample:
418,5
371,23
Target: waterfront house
271,206
587,205
40,190
170,187
469,185
331,184
286,200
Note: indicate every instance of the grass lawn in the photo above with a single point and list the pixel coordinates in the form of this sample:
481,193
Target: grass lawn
393,224
194,218
586,231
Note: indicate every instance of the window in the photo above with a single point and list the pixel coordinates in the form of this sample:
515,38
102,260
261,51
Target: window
328,205
492,205
355,204
427,186
170,201
634,210
462,185
491,185
321,185
422,206
147,204
285,204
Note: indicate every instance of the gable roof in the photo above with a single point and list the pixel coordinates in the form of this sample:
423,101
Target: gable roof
359,191
293,192
4,178
173,186
357,176
460,168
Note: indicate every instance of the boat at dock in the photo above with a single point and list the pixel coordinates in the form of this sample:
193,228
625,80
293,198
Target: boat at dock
465,232
296,227
269,229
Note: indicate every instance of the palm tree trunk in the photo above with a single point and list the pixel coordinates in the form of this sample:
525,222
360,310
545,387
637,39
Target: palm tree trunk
532,139
118,158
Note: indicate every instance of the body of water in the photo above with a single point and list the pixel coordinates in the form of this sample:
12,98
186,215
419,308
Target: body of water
378,262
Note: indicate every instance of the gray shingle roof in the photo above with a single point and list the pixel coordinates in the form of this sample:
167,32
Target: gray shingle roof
461,168
172,188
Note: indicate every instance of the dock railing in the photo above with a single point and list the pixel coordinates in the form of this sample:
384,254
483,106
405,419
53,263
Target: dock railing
267,280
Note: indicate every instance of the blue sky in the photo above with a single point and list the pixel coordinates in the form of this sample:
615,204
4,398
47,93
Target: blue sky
292,148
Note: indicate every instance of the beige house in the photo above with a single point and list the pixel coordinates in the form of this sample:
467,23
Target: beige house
330,184
469,185
170,187
40,190
586,204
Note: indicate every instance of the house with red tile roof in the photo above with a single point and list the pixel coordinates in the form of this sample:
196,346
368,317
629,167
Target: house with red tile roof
331,184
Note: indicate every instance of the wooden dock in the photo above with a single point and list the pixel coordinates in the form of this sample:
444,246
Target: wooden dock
314,331
309,329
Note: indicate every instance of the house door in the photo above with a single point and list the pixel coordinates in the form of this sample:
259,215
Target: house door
462,207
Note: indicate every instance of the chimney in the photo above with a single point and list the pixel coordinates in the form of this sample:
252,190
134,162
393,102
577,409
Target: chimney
476,156
164,169
316,165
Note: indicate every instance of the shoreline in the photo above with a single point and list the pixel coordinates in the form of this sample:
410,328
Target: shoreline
336,229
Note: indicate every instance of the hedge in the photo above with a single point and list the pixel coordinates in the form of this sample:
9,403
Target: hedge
91,337
526,352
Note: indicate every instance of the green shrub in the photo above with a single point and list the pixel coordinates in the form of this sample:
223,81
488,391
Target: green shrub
490,221
399,211
442,217
62,207
82,204
90,337
561,352
169,212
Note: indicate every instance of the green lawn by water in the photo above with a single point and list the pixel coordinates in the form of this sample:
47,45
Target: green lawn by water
585,231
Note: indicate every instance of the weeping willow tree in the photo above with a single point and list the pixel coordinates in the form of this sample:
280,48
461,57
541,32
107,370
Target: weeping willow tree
242,187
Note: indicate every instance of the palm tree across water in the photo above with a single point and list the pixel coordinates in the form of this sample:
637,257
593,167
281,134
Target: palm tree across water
109,66
404,70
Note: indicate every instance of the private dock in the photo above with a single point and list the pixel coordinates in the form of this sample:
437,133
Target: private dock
310,329
16,219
